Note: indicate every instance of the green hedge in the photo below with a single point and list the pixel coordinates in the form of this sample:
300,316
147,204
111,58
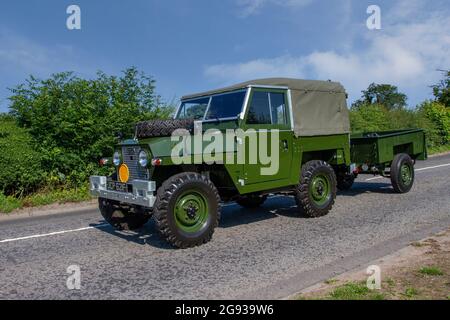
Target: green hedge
68,123
20,164
432,116
439,121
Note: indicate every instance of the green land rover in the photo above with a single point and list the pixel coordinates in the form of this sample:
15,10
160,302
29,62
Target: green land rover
243,143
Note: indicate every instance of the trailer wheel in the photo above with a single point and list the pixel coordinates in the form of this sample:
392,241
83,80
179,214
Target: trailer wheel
402,173
187,210
345,181
316,192
251,201
122,218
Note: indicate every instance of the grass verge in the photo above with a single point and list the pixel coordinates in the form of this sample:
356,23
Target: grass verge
440,149
354,291
417,272
431,271
44,197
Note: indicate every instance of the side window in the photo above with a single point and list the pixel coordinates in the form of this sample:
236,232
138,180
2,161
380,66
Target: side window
278,108
259,111
268,108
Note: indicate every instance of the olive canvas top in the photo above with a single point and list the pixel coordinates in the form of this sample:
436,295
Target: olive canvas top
319,107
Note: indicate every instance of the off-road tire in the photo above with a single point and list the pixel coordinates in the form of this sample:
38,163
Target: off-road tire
302,194
251,201
122,218
345,181
164,210
400,183
162,128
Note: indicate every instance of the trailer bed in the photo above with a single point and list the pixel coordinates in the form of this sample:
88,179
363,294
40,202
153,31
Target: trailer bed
379,148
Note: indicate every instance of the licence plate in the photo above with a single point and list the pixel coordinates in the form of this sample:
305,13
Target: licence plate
117,186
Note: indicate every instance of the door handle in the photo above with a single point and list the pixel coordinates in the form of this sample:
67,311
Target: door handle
285,145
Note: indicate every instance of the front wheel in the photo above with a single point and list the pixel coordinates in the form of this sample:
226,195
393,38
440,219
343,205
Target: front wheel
187,210
402,173
316,192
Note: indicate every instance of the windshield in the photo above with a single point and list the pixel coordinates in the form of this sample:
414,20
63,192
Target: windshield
221,106
193,109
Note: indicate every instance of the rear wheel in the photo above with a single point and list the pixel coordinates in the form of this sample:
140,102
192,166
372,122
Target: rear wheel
187,210
123,218
251,201
316,192
345,181
402,173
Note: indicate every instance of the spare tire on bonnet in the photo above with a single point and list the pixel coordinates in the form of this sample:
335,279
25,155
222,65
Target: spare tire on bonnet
162,128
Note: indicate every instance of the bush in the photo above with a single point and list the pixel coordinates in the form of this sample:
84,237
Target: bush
403,119
431,116
369,117
74,121
439,116
21,167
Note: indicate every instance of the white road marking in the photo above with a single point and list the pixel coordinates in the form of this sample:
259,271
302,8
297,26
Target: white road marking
52,233
417,170
439,166
376,178
229,205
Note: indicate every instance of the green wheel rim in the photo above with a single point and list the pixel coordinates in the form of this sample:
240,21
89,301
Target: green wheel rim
406,174
320,189
191,211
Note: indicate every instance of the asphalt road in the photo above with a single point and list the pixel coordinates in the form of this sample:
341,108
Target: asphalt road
263,254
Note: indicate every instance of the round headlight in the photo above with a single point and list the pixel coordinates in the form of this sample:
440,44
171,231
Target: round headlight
116,158
143,158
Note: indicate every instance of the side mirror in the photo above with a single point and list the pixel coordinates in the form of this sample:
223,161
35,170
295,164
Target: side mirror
119,135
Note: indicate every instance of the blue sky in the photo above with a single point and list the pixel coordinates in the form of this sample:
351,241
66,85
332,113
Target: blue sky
191,46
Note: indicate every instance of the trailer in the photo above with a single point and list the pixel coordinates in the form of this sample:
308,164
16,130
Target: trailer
391,154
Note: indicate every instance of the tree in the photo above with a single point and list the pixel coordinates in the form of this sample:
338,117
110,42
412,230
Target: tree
382,94
74,121
441,90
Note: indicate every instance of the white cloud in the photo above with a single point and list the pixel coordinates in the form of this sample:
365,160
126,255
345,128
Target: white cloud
251,7
287,65
19,54
413,44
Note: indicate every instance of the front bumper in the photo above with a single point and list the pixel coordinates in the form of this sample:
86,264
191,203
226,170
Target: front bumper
143,191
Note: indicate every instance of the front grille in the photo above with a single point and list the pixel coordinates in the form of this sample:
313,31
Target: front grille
130,156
